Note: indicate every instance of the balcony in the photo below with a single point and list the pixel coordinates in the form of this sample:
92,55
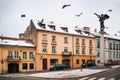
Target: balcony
13,58
44,42
77,45
66,53
53,42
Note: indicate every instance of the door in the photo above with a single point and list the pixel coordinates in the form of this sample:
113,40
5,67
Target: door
66,62
13,68
44,64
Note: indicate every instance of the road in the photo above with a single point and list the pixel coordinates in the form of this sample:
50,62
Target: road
113,74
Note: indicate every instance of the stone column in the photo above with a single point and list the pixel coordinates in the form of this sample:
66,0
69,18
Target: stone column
102,53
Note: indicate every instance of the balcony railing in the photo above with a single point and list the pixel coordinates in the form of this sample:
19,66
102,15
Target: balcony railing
44,41
77,45
53,42
66,53
13,58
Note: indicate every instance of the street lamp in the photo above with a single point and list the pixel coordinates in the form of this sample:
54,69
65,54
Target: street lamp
2,62
102,18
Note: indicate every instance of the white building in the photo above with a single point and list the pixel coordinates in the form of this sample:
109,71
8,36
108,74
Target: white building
111,48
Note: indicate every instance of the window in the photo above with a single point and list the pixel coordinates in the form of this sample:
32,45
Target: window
83,41
110,46
44,37
77,40
16,54
44,48
24,66
53,61
113,55
10,54
116,55
114,46
65,29
77,50
52,27
98,43
31,66
31,55
53,49
90,42
65,49
53,38
41,25
83,50
77,61
98,54
119,45
90,50
24,55
65,40
110,55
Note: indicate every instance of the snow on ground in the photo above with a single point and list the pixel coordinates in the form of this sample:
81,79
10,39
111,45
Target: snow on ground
67,73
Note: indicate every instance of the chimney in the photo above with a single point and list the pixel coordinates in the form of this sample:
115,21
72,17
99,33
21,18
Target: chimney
86,29
21,36
95,30
51,22
115,34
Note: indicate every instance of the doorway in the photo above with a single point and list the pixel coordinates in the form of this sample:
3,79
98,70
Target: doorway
44,64
13,68
66,62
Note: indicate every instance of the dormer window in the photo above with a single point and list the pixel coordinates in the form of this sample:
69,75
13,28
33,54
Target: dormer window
65,29
79,31
41,25
52,27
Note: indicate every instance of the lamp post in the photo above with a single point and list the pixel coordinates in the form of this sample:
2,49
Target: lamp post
102,18
2,62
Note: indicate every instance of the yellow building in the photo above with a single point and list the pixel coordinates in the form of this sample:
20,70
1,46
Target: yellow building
45,44
16,55
57,44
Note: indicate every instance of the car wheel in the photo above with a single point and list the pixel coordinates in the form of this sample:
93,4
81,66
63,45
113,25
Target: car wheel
85,66
54,69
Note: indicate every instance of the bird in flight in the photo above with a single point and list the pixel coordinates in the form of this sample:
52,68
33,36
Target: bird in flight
110,10
65,6
23,15
78,15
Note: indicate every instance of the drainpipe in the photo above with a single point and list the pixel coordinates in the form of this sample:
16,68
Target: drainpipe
72,49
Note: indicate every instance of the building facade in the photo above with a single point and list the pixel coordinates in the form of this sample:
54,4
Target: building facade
56,44
43,45
16,55
111,48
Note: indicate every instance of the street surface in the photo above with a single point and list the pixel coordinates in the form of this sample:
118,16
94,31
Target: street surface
112,74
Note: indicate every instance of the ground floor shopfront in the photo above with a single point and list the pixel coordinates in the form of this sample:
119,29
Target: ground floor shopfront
45,61
15,67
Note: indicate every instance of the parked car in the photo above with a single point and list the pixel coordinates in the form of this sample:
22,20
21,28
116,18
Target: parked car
88,64
58,67
112,63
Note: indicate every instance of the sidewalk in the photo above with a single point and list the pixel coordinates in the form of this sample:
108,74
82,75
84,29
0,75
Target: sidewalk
71,73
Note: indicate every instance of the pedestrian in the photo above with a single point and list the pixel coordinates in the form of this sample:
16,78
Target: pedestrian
81,67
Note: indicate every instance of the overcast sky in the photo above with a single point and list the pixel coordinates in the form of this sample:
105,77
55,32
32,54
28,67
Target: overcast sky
11,23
